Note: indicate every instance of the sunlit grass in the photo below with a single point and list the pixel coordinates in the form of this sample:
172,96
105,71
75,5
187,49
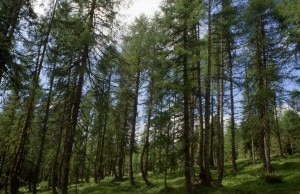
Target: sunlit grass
249,180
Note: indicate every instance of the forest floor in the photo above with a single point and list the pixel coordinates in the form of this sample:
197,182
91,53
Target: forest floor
249,179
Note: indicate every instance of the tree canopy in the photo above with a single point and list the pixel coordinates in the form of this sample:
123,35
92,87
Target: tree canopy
198,84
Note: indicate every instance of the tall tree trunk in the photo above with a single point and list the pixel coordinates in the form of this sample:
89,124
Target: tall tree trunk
70,131
220,123
103,134
267,124
98,162
106,109
43,131
212,134
121,155
252,147
20,152
167,154
278,136
64,121
132,135
186,116
232,116
263,104
200,110
247,91
207,177
226,6
145,150
43,137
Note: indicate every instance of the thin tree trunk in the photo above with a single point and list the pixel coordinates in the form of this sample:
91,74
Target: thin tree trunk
200,110
121,156
43,137
106,107
220,123
65,118
145,150
20,152
144,168
186,118
207,177
232,117
154,150
70,132
43,131
166,155
97,161
101,168
132,135
263,99
277,128
212,134
252,148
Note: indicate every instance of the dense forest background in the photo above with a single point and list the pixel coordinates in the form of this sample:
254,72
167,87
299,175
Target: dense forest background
200,83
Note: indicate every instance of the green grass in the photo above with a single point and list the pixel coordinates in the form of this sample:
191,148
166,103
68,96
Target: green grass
249,180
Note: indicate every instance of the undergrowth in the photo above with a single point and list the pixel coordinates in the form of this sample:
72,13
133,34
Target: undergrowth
248,180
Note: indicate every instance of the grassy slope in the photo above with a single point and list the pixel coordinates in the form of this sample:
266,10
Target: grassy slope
248,180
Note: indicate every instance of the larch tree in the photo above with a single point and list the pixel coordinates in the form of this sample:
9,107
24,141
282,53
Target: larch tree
264,70
81,63
43,132
229,16
180,18
134,53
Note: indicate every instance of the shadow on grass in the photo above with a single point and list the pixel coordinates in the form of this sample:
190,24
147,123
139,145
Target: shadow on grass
171,190
251,180
287,166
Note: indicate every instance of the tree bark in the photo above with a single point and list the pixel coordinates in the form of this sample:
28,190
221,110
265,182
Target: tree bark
220,122
186,117
70,131
132,135
278,136
200,110
145,150
43,131
20,151
232,117
207,177
263,98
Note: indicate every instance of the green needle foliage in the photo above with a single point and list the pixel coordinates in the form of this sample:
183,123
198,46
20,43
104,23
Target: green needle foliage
202,97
